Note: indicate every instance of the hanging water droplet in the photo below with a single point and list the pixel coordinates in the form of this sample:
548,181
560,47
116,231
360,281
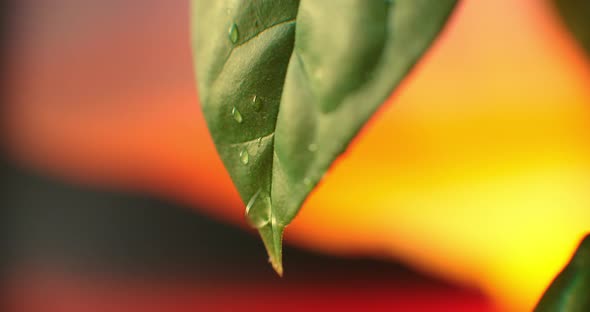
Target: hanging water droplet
312,147
244,157
233,33
256,103
258,209
236,113
259,141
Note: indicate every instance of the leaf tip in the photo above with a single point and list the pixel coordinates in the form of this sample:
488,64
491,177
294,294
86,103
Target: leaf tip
272,237
277,265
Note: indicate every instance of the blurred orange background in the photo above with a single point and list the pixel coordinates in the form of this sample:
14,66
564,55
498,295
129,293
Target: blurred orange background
477,169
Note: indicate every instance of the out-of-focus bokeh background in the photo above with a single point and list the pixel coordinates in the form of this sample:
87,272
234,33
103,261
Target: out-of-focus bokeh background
467,192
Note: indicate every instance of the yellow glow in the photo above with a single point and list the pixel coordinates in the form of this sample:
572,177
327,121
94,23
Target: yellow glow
480,168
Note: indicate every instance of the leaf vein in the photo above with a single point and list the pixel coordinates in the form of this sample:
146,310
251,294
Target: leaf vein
223,66
252,140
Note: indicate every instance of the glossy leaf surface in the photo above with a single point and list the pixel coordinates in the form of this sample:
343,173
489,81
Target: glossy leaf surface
285,85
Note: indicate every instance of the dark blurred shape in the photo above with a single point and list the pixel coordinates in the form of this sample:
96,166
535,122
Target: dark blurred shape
136,235
74,248
5,39
576,14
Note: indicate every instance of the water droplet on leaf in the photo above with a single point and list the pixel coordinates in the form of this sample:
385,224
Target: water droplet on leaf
312,147
236,113
244,157
258,209
256,103
234,33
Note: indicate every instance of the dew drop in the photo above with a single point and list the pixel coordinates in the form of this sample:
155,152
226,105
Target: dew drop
312,147
233,33
244,157
256,103
307,182
258,209
236,113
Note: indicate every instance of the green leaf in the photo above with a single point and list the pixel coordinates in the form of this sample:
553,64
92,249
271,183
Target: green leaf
285,85
570,291
576,14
